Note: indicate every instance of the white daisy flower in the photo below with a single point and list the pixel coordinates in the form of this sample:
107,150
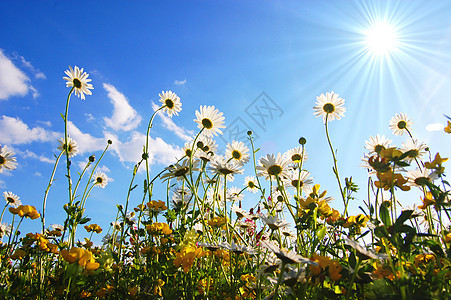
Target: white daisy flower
5,229
210,119
72,147
7,160
181,197
238,249
251,183
179,170
287,256
171,103
377,143
294,178
418,177
79,81
238,152
220,166
415,148
233,194
400,123
11,199
329,106
100,179
272,166
273,222
240,213
296,155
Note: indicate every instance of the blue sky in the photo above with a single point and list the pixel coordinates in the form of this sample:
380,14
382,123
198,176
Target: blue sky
221,53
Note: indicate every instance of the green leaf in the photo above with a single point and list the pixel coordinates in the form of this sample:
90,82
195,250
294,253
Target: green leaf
384,214
405,215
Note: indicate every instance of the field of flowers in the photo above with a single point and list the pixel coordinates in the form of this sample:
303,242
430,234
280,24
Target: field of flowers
201,244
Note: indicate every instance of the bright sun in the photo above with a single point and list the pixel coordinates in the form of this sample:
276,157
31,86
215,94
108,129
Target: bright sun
381,38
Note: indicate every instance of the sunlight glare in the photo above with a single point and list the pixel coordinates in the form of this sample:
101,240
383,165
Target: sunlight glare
381,38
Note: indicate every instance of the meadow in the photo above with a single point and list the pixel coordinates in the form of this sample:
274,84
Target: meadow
200,243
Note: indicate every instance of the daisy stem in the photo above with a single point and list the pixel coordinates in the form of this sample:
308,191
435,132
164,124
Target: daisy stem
335,169
47,192
146,149
3,211
66,146
255,164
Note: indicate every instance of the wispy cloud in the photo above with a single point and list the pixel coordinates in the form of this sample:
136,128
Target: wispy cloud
132,149
435,127
13,82
89,117
36,72
124,116
15,132
28,154
180,82
85,141
169,124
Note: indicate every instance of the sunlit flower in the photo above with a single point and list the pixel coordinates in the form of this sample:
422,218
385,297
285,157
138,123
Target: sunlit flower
273,222
296,155
233,194
400,123
79,81
272,165
179,170
181,197
251,183
238,249
238,152
210,119
220,166
447,129
100,179
12,199
329,106
428,199
418,177
240,213
206,144
415,148
4,229
286,256
376,143
72,147
436,165
171,103
297,179
362,252
7,160
83,257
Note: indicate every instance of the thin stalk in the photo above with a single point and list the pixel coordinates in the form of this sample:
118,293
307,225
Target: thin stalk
47,192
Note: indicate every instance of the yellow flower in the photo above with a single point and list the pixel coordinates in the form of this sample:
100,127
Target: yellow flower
436,164
159,228
83,257
448,127
156,205
388,180
186,257
25,211
427,200
448,237
18,254
93,227
217,222
157,288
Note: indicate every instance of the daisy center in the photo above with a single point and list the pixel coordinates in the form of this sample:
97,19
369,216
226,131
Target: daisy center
10,200
251,184
169,103
225,171
421,181
77,83
379,148
413,153
296,157
236,154
402,124
329,108
274,170
2,160
99,180
295,183
181,172
207,123
188,152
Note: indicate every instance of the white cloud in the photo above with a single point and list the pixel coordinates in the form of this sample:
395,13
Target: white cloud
124,116
131,150
169,124
36,72
46,123
13,82
2,184
435,127
180,82
89,117
38,174
27,153
15,132
85,141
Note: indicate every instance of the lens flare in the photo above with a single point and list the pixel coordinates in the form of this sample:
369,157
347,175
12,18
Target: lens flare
381,38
